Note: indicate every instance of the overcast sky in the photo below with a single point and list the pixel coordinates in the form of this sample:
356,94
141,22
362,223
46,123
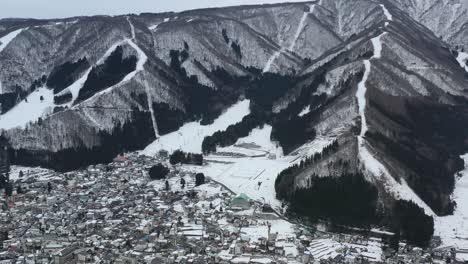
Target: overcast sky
68,8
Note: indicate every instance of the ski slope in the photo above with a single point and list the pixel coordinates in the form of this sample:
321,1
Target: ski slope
379,172
4,41
29,110
190,136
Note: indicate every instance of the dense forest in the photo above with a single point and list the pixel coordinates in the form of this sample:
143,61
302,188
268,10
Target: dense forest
111,72
158,172
179,156
202,102
285,179
64,75
410,221
345,200
139,128
167,118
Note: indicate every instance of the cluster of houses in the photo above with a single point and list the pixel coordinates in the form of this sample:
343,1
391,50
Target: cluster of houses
115,213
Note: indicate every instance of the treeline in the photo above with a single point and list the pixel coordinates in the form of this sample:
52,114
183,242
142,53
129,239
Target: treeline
230,136
410,220
133,135
179,156
284,182
111,72
345,200
64,75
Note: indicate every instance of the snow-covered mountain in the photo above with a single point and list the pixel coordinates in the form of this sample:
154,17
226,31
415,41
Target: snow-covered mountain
385,81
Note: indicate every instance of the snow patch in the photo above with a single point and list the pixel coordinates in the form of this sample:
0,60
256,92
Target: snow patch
462,58
387,14
190,136
153,27
29,110
5,40
304,111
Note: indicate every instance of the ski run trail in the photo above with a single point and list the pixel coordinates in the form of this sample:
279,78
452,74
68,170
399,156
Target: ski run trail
400,190
291,46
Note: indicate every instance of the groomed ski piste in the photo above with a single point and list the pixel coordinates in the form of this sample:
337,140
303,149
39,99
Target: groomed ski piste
5,40
29,109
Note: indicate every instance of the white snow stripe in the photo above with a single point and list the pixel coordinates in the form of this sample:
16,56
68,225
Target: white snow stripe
387,13
5,40
272,59
298,32
371,164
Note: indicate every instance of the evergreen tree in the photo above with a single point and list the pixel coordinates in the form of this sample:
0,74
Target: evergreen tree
167,186
199,179
158,172
182,182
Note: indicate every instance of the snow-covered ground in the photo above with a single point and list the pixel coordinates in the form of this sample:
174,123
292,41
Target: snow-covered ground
387,13
190,136
462,58
453,229
255,173
305,111
29,110
5,40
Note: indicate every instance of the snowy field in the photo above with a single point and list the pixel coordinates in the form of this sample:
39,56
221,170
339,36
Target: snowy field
29,110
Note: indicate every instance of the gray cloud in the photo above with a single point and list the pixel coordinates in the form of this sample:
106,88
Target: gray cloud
68,8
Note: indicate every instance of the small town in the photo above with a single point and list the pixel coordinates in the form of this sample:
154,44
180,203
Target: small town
116,213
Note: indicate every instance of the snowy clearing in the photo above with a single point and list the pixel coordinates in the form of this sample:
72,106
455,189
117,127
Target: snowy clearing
462,58
387,14
190,136
453,229
29,110
4,41
305,111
